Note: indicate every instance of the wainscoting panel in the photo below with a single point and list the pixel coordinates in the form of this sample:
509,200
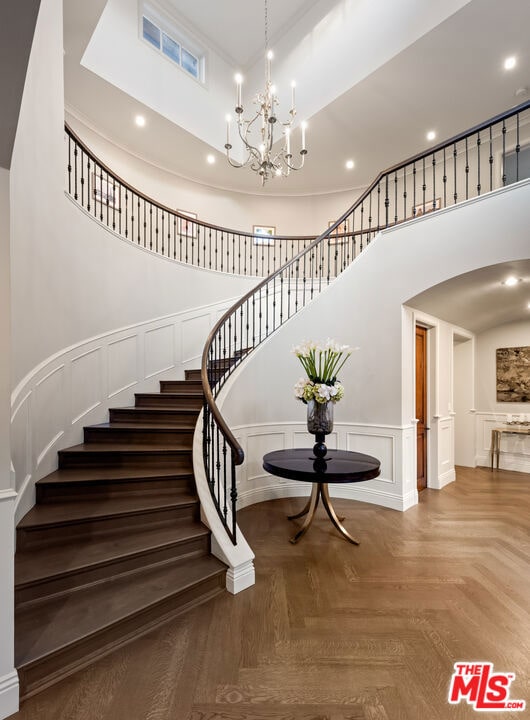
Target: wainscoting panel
515,449
391,445
122,364
258,444
49,410
158,350
86,379
77,386
194,333
380,446
21,442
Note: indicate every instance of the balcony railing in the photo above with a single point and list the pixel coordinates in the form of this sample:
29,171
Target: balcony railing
160,229
480,160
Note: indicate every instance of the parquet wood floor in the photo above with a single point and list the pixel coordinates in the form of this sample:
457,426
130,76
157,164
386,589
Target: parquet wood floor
332,631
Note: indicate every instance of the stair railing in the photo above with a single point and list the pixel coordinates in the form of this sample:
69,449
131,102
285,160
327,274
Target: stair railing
171,233
479,160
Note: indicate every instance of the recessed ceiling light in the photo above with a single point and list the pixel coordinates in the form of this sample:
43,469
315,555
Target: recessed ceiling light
140,120
210,159
511,281
510,62
528,306
431,135
349,164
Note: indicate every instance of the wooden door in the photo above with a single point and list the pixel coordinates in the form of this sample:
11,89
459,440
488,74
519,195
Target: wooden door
421,406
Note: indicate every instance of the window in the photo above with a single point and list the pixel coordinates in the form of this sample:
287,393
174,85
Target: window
174,46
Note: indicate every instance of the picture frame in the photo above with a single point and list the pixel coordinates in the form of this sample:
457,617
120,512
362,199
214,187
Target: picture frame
105,192
513,374
418,210
187,228
342,229
262,234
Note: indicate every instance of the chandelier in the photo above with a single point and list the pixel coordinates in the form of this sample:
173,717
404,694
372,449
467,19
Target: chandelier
258,132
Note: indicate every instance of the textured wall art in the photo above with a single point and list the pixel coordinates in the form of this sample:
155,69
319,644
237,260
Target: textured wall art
513,374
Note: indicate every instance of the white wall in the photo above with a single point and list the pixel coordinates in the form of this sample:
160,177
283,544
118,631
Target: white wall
8,675
464,402
291,215
364,307
515,450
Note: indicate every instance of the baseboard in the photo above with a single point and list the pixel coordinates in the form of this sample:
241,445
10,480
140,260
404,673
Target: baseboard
276,491
240,577
444,479
9,693
506,462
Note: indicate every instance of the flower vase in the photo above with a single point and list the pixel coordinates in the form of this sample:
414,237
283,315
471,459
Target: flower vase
319,424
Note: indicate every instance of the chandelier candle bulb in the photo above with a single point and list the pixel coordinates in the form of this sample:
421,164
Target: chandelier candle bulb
288,142
304,126
293,86
239,81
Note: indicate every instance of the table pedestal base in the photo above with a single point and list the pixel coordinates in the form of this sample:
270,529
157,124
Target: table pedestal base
319,490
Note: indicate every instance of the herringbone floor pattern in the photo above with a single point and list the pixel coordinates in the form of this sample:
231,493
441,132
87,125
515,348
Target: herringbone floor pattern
336,632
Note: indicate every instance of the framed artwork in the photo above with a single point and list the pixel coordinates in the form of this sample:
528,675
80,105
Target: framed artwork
187,227
263,234
343,228
513,374
105,192
418,210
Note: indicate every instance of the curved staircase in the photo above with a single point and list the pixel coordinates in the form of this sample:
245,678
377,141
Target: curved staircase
114,545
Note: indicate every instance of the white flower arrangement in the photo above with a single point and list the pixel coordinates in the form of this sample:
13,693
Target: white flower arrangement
322,364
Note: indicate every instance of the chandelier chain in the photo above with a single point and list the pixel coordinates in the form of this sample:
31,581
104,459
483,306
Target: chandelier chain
266,27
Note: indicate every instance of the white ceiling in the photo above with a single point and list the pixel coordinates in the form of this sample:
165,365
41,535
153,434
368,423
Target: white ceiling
478,300
448,80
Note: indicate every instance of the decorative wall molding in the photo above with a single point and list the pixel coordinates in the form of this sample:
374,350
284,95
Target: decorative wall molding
76,387
393,489
515,449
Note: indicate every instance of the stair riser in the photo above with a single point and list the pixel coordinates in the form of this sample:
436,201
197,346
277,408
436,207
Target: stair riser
143,436
126,460
53,534
168,401
40,674
192,374
142,415
77,579
101,490
180,386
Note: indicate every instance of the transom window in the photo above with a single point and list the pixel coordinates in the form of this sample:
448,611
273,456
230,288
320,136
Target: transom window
173,45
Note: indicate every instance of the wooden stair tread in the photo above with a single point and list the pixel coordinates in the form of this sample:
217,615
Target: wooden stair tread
69,512
52,626
159,408
137,448
141,426
86,475
34,564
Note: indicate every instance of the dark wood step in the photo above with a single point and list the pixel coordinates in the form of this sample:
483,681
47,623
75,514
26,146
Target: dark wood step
126,456
100,483
138,433
42,572
177,417
50,524
180,386
56,639
170,400
192,374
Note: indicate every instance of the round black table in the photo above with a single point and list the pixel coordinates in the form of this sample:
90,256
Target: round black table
339,466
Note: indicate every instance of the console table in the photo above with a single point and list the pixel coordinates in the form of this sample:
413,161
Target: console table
496,436
339,466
